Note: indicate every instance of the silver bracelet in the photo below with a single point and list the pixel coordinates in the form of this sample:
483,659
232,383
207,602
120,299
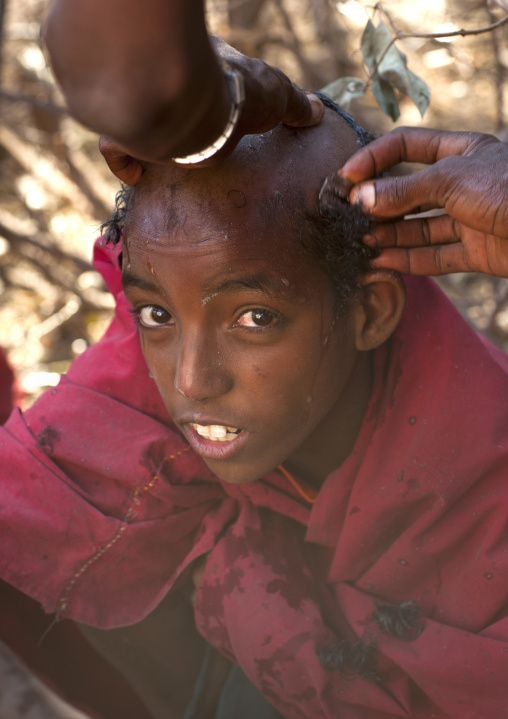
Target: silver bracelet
236,89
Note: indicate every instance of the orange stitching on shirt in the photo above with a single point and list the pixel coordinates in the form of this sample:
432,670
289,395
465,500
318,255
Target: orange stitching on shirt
131,513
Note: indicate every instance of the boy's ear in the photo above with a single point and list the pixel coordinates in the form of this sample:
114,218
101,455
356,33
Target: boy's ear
379,308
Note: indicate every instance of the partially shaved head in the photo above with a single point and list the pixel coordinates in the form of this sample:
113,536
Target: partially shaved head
272,181
247,295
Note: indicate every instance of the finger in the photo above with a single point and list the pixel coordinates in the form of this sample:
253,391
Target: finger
436,187
303,109
408,194
128,169
436,260
407,144
420,232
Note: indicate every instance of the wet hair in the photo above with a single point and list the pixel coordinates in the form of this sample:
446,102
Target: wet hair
333,236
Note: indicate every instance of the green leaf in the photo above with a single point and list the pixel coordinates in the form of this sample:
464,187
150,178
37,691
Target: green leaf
345,89
392,71
418,91
386,98
369,47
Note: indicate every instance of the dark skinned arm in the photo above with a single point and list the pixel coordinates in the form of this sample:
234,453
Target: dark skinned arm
467,178
146,74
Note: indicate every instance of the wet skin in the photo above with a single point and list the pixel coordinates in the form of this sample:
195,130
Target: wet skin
237,323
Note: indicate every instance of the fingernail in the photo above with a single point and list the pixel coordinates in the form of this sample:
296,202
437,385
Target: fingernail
317,107
364,195
369,240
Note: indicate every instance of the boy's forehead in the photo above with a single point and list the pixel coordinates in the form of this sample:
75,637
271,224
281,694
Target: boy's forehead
265,173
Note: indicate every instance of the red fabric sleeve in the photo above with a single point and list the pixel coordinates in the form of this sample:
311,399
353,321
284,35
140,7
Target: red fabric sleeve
95,480
418,512
102,498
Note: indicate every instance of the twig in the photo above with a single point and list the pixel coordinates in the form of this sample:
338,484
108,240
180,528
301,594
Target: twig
430,35
51,323
33,101
499,76
52,275
15,238
244,14
314,78
503,4
3,4
85,176
44,169
43,258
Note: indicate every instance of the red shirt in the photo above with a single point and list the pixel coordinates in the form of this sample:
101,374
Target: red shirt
96,475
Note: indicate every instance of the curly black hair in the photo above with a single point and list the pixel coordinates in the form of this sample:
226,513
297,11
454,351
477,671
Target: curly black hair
333,236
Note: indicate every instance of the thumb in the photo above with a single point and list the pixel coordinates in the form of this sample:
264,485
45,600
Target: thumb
303,109
128,169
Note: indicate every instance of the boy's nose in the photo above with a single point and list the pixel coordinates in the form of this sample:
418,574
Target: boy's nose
201,372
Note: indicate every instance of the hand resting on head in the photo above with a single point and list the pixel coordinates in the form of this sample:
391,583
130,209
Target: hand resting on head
466,178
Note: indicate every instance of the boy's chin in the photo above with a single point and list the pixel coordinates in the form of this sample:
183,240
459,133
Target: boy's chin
231,474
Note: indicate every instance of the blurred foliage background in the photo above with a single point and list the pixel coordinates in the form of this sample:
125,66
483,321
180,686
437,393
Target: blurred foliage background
55,189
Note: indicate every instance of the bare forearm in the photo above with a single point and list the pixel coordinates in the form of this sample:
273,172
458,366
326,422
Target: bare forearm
143,73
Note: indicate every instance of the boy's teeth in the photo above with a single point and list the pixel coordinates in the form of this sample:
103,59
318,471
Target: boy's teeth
216,432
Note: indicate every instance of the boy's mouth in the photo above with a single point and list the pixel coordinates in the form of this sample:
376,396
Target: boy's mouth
216,432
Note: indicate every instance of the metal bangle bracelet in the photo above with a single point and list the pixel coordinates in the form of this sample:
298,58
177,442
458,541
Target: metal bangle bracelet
236,89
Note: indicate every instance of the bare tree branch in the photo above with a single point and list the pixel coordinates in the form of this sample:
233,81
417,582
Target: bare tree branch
499,71
33,101
399,35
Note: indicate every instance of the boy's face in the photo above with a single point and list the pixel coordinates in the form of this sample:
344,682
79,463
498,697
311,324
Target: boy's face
237,324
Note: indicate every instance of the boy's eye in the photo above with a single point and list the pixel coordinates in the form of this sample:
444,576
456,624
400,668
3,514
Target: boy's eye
153,316
257,318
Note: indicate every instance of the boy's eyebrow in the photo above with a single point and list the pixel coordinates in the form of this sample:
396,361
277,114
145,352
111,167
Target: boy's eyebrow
130,280
261,280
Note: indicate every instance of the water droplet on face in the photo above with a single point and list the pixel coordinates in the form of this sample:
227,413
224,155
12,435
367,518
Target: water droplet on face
309,399
149,265
403,562
285,282
325,341
412,420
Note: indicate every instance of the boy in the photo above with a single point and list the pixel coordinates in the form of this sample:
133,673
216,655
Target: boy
336,462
